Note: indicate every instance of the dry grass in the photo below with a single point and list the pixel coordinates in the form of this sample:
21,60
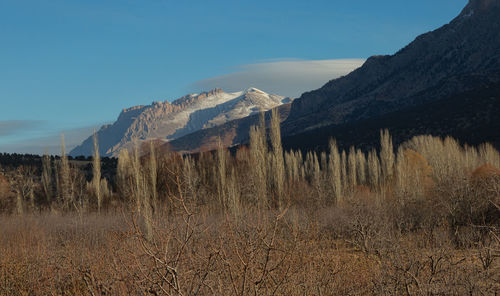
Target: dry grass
293,253
424,221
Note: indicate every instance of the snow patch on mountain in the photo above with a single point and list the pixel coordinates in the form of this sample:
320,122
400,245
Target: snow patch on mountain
167,121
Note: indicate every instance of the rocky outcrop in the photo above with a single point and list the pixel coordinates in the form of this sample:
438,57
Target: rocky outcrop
232,133
166,121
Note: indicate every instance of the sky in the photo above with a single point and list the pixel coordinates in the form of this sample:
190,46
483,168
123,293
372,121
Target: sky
70,66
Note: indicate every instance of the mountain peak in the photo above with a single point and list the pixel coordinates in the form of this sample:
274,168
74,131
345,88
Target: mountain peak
193,98
480,7
169,121
254,90
483,4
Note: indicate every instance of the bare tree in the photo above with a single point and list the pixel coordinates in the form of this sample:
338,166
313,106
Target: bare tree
361,166
258,159
65,193
153,174
96,173
23,184
352,171
47,182
373,170
277,166
386,154
221,175
334,170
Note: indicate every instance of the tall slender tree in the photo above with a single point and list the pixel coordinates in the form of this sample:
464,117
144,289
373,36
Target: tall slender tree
47,178
334,170
96,173
64,176
258,158
387,157
277,166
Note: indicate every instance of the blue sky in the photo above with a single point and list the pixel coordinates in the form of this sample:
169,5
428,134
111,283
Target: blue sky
71,65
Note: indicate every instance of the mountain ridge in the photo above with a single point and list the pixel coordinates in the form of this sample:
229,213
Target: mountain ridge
437,66
167,121
472,117
458,56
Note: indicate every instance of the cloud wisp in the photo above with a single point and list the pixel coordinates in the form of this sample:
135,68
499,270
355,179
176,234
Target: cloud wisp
12,127
287,77
51,143
284,77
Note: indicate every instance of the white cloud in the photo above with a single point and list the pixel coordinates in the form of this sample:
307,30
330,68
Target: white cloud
287,77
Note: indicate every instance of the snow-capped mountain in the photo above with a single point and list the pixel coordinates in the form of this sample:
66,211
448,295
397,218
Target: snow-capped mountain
444,83
167,121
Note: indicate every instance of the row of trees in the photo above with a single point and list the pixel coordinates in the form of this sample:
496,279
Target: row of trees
422,218
263,177
56,185
420,174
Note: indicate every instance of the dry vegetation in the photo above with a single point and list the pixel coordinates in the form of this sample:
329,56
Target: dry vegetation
422,221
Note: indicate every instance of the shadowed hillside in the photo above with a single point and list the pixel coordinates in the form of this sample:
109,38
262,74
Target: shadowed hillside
471,117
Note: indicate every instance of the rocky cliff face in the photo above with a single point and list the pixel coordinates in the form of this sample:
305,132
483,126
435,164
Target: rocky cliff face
460,56
231,133
167,121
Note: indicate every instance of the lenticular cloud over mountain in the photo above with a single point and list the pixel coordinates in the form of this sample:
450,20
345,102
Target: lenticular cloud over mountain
287,77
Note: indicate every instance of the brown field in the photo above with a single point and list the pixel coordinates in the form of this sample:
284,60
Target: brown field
422,221
296,254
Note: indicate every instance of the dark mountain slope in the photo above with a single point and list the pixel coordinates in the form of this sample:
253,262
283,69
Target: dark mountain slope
443,83
472,117
457,57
